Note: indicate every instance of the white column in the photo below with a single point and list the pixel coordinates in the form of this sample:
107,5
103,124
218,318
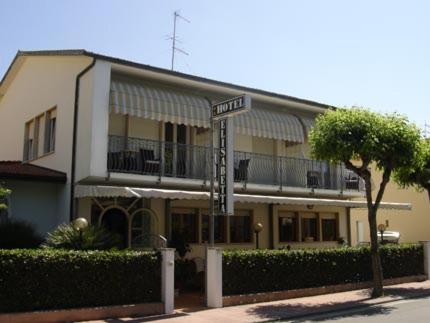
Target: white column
426,245
213,277
168,279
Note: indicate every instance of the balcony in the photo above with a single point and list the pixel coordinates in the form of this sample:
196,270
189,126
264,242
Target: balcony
166,159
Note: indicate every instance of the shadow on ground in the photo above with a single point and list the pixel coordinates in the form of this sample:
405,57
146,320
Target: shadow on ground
303,311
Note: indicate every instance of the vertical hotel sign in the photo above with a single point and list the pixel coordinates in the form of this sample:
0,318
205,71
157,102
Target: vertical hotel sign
224,111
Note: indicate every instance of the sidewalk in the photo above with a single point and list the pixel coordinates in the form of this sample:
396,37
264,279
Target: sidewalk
289,309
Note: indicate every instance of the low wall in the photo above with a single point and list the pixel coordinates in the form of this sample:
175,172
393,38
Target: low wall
84,314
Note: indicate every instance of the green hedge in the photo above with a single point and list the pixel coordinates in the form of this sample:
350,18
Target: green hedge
55,279
272,270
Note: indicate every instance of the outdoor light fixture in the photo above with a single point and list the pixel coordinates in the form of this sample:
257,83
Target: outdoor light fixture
80,223
381,229
258,227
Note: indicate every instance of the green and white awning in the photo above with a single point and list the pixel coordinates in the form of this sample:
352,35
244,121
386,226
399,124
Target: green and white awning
170,105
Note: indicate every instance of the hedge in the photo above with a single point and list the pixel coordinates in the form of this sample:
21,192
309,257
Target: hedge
58,279
254,271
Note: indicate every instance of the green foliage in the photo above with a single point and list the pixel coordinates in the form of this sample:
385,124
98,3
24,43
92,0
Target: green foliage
54,279
344,135
256,271
93,237
15,233
4,192
417,175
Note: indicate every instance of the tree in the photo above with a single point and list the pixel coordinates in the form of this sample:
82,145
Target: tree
419,175
360,138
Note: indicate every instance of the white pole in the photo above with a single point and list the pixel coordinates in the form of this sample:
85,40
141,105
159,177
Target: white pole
168,279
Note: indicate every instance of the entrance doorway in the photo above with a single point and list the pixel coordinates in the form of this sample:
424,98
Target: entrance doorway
116,221
175,151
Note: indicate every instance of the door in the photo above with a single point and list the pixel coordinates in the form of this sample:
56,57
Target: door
116,221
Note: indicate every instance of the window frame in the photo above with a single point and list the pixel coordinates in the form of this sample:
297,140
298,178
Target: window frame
288,215
183,212
251,222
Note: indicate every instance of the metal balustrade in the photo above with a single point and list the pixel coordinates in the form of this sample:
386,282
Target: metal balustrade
157,158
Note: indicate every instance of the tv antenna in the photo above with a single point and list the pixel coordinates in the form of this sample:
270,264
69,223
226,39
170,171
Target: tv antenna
175,39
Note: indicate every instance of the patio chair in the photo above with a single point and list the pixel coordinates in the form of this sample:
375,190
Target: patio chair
352,182
241,172
313,179
115,162
149,163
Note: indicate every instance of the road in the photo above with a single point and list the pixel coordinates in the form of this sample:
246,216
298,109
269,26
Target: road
402,311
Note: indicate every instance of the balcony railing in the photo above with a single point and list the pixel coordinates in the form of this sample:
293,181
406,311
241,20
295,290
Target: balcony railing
157,158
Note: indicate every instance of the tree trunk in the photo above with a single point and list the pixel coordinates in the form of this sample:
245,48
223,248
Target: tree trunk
428,192
375,256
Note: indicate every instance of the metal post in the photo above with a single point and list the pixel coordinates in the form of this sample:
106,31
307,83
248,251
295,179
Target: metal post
211,175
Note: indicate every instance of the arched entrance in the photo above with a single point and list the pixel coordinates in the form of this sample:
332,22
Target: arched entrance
143,228
116,221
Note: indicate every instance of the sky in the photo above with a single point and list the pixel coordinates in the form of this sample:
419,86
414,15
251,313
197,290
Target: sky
374,54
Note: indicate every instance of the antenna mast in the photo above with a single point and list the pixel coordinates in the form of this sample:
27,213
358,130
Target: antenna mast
174,39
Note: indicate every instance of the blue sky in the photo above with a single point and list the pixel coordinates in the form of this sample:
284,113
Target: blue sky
368,53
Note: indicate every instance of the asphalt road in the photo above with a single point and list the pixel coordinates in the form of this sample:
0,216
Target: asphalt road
402,311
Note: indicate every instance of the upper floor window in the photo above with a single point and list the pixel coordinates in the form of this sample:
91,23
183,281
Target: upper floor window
50,129
36,142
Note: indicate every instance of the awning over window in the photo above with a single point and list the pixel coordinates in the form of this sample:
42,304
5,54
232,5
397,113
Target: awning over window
112,191
159,104
169,105
309,123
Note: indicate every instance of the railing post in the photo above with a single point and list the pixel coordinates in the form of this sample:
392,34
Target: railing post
213,277
426,247
162,150
342,179
168,279
280,173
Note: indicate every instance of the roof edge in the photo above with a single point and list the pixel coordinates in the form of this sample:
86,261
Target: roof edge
78,52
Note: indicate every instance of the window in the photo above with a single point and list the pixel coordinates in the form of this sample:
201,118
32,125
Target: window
185,224
50,129
309,227
142,227
220,230
240,227
329,226
31,135
287,224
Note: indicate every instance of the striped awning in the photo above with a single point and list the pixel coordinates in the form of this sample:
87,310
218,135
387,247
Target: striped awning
268,123
169,105
309,123
112,191
159,104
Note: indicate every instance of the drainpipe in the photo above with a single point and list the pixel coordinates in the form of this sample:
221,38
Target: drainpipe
75,134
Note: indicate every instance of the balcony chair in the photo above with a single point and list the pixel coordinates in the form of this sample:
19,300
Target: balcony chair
313,179
352,182
241,172
149,163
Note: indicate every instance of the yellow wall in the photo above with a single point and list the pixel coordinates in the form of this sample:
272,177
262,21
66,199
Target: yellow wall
413,225
143,128
41,84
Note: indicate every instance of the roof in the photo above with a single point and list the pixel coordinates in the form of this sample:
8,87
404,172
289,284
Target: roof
78,52
19,170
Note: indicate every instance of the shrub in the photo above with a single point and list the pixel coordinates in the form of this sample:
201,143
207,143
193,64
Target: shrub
93,237
53,279
15,233
273,270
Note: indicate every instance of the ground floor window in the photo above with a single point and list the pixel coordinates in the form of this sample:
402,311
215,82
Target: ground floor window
185,224
329,227
287,223
220,232
309,227
241,227
130,218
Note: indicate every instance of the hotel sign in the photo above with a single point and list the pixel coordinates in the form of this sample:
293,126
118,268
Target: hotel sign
225,167
231,107
223,111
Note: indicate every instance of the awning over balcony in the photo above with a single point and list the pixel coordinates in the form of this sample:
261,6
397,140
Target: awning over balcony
170,105
112,191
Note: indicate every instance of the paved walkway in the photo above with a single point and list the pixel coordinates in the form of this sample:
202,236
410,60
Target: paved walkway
288,309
